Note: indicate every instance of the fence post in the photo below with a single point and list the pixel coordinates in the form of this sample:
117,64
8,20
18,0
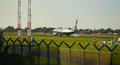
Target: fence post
58,49
38,54
83,52
13,44
4,41
38,44
98,49
111,53
29,46
70,49
21,44
13,48
48,51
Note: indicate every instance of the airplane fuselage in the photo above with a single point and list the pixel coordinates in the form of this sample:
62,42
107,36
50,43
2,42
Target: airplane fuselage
65,31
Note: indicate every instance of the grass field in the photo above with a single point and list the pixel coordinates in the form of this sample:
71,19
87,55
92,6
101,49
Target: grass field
84,39
80,38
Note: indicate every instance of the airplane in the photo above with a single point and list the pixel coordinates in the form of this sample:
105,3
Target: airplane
66,31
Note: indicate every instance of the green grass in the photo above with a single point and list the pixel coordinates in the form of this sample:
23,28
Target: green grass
69,40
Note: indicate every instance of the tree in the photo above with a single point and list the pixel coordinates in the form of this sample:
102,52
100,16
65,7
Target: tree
9,29
1,29
43,29
109,30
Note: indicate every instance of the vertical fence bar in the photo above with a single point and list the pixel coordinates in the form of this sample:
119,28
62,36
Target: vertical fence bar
48,59
70,55
21,45
29,48
58,55
98,59
29,52
38,54
98,49
70,46
83,57
58,51
39,44
29,45
111,58
48,51
12,45
13,48
21,48
7,46
83,52
111,53
2,40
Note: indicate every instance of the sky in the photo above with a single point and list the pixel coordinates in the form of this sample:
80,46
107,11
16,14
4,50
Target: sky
63,13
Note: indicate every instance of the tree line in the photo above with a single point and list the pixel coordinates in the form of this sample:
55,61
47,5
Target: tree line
49,30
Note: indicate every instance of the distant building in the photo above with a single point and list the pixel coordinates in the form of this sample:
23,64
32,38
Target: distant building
115,33
109,33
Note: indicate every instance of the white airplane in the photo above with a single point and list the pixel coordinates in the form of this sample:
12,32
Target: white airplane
67,31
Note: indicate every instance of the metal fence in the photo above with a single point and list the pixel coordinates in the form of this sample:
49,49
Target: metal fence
63,53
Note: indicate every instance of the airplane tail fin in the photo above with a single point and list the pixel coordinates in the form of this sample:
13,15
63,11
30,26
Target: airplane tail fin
76,24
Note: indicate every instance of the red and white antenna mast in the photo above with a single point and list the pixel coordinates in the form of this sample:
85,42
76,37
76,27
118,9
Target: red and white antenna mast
29,21
19,20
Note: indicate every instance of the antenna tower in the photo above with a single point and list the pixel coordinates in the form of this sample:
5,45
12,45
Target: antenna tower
19,21
29,21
